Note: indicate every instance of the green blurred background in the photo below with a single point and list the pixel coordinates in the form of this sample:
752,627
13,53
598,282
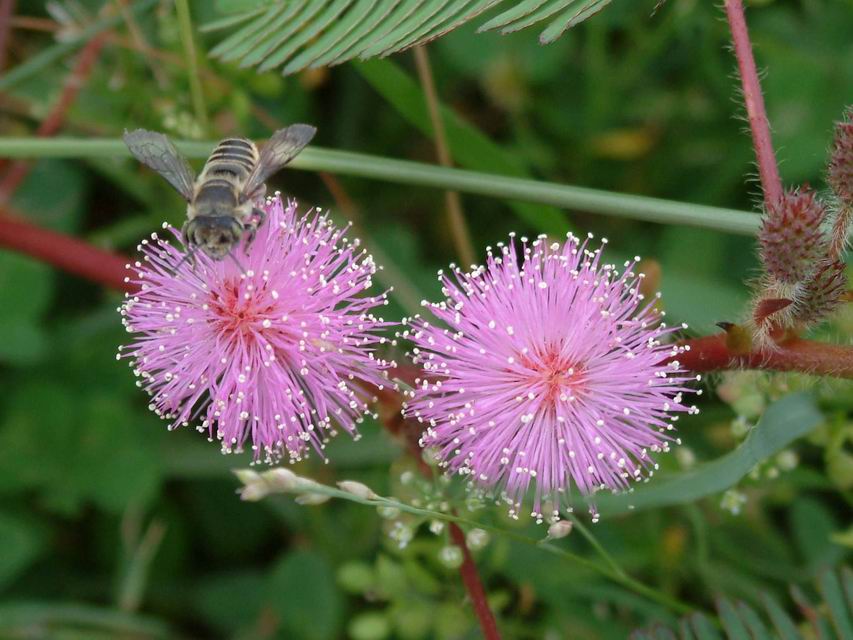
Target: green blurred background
112,527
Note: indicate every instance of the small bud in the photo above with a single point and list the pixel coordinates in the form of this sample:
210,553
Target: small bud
254,492
733,501
823,292
358,489
247,476
787,460
451,556
559,529
840,174
791,240
402,534
281,480
436,527
477,539
307,499
388,512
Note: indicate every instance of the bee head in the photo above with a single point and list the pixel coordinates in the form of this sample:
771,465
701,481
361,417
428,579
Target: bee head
215,235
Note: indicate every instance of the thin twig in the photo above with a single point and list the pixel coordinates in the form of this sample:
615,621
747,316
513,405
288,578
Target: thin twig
55,119
455,217
768,170
63,252
139,41
474,586
186,30
7,7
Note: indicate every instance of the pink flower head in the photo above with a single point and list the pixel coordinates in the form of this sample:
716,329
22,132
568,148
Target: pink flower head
277,355
548,370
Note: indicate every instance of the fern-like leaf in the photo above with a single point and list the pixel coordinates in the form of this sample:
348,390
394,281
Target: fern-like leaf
832,619
300,34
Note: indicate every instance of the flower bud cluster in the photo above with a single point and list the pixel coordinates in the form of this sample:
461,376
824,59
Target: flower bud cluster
801,251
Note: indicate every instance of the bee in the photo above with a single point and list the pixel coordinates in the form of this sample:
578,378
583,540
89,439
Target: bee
220,202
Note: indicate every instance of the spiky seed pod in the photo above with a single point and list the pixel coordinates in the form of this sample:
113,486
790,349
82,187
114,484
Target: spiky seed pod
840,175
822,293
791,240
840,178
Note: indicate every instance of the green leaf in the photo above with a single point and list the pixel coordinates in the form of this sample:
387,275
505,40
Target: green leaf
22,541
303,582
322,32
231,601
113,463
783,422
812,525
833,595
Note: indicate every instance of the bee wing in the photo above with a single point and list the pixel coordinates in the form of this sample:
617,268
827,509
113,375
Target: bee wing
284,145
157,152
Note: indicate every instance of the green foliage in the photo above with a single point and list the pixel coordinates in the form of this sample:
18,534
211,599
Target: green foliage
317,33
781,424
830,620
636,110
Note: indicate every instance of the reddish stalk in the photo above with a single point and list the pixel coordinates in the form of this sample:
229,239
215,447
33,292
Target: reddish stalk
63,252
474,586
6,9
710,353
54,120
771,184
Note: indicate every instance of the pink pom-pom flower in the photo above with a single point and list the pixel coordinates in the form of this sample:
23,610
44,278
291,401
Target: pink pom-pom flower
548,369
277,350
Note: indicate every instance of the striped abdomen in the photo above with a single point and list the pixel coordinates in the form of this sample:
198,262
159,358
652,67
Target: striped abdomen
228,168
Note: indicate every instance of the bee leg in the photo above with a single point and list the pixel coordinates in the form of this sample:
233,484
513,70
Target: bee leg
259,216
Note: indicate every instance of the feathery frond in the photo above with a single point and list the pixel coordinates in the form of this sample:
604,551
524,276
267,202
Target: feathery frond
301,34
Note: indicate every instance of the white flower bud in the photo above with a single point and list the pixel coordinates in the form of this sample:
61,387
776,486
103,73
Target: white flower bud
311,498
436,527
477,539
281,480
254,492
451,557
358,489
560,529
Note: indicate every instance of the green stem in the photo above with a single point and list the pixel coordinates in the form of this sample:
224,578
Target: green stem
193,71
613,572
416,173
61,50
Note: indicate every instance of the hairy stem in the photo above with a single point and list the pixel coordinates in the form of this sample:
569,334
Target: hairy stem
768,170
710,353
455,217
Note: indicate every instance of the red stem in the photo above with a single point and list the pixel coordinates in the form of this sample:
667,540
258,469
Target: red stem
6,9
471,579
771,184
64,252
710,353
